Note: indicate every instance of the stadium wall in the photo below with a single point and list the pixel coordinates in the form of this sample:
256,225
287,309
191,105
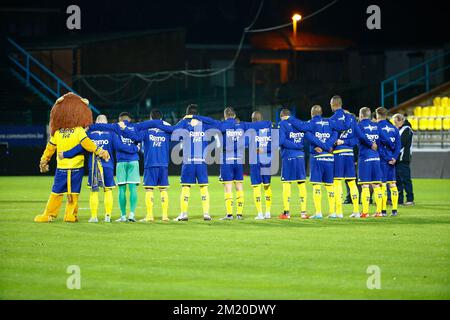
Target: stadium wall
431,164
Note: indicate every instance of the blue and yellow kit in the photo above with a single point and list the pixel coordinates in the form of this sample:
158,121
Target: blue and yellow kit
156,143
369,169
233,145
344,166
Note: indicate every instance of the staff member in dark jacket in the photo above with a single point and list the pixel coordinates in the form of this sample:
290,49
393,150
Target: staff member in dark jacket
404,160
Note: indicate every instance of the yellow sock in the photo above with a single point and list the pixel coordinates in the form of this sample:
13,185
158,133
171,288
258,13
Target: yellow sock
378,194
338,195
286,195
93,204
229,203
108,200
205,199
384,196
164,204
149,203
331,199
317,198
394,197
354,193
302,195
365,199
184,199
257,198
240,202
268,195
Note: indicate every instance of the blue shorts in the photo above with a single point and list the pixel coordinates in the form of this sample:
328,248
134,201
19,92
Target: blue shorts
388,172
194,173
258,174
369,171
68,180
293,169
322,170
155,177
231,172
344,167
108,178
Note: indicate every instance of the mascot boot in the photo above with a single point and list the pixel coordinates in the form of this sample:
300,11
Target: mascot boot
52,208
71,214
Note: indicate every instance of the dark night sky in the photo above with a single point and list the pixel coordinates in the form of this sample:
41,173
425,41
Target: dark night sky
221,21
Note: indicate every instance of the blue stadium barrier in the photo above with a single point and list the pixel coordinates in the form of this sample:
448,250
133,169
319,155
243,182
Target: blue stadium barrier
22,64
428,73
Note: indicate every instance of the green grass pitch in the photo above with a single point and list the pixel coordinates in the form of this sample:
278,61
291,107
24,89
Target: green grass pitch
246,259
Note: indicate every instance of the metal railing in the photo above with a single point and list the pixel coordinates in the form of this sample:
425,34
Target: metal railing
29,70
428,72
432,139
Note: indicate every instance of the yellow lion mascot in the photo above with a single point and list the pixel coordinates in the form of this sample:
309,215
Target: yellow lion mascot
68,119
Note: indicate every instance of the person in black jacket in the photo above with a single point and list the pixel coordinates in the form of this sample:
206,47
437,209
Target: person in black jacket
403,162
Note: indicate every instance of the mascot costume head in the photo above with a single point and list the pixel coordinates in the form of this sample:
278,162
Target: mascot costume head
70,111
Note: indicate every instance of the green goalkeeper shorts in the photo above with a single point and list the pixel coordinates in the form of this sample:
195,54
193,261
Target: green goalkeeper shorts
128,172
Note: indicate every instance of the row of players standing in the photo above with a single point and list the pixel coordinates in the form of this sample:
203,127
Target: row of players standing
332,141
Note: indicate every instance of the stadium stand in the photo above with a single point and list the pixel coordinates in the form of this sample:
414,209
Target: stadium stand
27,106
428,110
432,123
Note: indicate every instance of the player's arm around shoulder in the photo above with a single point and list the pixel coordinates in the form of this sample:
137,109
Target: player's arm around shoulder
298,124
90,146
133,134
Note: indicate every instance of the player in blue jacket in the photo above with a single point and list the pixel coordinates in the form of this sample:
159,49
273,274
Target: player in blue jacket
322,133
369,168
233,148
292,134
389,150
194,169
156,145
291,143
127,167
101,173
260,153
344,166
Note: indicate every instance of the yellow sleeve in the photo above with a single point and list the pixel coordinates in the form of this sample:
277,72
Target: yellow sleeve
49,151
88,144
85,141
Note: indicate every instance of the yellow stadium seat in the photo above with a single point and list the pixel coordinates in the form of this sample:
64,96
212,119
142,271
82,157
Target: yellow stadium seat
430,124
440,112
425,112
423,123
444,102
433,111
446,123
418,111
447,112
438,123
414,123
437,101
